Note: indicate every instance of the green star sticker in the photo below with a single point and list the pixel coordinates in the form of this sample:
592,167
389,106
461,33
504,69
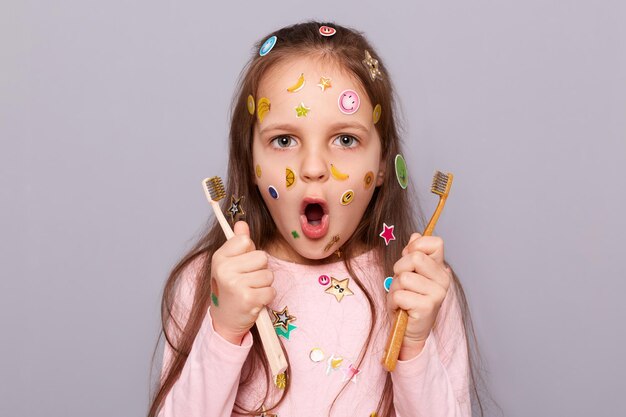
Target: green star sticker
302,110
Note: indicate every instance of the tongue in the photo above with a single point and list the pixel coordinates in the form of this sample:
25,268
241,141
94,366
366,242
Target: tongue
314,213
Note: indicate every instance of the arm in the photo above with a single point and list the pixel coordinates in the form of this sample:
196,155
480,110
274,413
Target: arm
209,380
435,383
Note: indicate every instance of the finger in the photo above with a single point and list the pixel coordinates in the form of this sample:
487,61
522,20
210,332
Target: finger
424,265
251,261
264,296
238,244
241,228
410,281
430,245
404,300
413,237
259,279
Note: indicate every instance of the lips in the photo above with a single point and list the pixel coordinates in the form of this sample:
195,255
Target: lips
314,218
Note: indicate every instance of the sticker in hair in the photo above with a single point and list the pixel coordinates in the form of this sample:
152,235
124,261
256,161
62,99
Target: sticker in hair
263,107
387,283
330,244
387,233
290,178
327,31
401,172
347,197
376,114
339,288
273,192
267,46
337,174
368,179
372,66
250,104
349,102
324,83
302,110
235,210
298,85
258,171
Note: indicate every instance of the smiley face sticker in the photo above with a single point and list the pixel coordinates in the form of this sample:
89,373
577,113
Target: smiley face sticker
267,45
327,31
368,179
349,102
347,197
401,172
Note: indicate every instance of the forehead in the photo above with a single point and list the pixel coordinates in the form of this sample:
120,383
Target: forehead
323,103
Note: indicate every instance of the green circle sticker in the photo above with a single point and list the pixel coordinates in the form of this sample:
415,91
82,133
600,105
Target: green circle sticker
401,173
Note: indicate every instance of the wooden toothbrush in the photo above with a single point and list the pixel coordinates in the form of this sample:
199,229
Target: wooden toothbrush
214,190
441,186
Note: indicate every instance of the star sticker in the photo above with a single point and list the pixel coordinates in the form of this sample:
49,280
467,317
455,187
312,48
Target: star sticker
372,66
235,208
339,288
325,83
350,373
387,233
282,318
285,333
302,110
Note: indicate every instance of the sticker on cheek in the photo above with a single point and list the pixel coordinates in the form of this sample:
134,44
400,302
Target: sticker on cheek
338,175
368,180
349,102
295,234
251,105
273,192
257,170
347,197
290,177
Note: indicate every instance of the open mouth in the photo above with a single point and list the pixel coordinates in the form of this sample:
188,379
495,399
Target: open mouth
314,218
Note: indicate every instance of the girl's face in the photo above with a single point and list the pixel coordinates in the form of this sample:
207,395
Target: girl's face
316,154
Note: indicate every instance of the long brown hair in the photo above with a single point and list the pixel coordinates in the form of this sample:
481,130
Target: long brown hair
390,204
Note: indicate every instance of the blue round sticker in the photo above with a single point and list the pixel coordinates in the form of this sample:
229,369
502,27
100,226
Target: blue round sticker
267,46
388,283
273,192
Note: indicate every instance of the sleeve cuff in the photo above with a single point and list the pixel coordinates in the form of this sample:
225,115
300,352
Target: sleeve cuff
417,366
220,347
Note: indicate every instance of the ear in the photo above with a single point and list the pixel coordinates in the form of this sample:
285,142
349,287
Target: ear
380,177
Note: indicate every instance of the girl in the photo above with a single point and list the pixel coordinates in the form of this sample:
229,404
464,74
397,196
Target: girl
313,145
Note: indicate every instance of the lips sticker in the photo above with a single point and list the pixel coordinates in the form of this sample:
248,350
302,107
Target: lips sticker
349,102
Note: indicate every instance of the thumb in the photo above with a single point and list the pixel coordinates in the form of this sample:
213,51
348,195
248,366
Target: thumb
241,228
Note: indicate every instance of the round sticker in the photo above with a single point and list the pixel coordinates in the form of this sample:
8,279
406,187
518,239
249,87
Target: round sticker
290,177
324,280
316,355
387,283
267,46
258,171
251,105
368,180
273,192
327,31
349,102
347,197
377,112
401,174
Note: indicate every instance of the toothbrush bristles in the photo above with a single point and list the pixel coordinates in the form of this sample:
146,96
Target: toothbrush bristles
215,188
441,183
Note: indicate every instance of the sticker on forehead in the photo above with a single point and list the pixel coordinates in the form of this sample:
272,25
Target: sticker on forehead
377,112
324,83
298,85
267,46
401,173
251,105
327,31
290,177
302,110
349,102
368,179
263,107
347,197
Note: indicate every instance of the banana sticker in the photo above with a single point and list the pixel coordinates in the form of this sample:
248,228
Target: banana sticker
337,174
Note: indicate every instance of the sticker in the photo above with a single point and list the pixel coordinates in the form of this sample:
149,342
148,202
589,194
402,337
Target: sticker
327,31
262,108
324,83
337,174
267,46
235,210
290,177
377,112
251,105
324,280
347,197
372,66
330,244
401,173
334,362
295,234
214,292
316,355
298,85
387,233
349,102
282,318
280,381
258,171
387,283
302,110
214,299
339,288
368,179
273,192
350,373
285,333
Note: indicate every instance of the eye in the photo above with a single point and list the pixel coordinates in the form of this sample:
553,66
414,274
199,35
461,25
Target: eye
346,141
283,142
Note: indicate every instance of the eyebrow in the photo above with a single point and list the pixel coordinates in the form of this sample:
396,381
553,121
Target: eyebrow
336,126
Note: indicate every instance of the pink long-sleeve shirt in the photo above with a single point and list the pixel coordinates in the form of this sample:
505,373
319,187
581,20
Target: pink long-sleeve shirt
433,384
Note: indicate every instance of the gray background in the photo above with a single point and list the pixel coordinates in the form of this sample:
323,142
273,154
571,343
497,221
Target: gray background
112,112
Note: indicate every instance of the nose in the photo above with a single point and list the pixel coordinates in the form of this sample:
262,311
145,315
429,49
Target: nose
314,167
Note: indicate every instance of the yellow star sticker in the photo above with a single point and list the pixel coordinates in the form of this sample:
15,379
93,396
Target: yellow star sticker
302,110
339,288
372,66
325,83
